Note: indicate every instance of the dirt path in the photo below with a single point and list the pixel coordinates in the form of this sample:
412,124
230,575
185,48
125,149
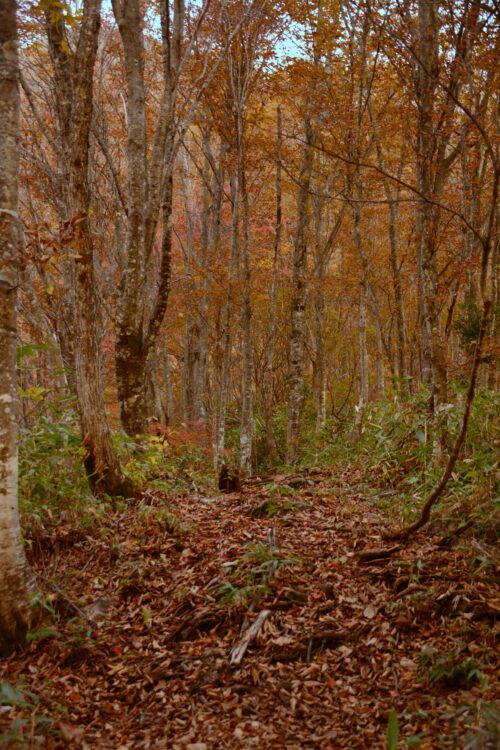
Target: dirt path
342,645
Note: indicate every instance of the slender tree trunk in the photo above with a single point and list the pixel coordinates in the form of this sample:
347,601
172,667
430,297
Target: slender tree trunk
380,366
435,156
168,393
363,297
493,371
196,346
223,359
398,299
16,582
191,354
363,351
392,196
246,427
268,374
319,311
298,304
426,84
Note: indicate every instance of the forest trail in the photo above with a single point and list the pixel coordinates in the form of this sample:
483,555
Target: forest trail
341,647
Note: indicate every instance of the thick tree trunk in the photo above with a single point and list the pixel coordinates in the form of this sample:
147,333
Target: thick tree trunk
130,356
15,578
79,337
150,198
101,462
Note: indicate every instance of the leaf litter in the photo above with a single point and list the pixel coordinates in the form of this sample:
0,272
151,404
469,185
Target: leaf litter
232,622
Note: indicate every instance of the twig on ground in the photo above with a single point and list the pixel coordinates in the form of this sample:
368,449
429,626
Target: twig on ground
238,651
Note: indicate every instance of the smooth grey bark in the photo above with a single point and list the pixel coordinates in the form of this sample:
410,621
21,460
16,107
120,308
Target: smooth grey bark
223,345
16,583
241,75
221,355
246,426
296,367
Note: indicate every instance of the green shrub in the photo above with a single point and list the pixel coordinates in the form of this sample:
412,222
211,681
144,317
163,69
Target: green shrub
51,472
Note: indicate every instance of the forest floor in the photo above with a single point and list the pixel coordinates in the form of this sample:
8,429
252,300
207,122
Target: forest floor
153,598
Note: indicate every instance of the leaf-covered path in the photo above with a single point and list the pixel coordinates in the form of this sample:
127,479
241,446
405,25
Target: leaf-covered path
170,584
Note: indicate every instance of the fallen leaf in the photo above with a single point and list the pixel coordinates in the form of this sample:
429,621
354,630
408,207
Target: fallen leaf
370,611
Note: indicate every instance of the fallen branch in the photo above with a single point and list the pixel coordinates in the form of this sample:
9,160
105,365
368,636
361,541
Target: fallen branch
238,651
370,555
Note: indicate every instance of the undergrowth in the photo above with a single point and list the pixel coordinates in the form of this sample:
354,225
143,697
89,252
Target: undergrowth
53,485
393,444
397,450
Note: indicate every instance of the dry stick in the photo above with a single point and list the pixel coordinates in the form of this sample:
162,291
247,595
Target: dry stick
371,555
403,534
238,652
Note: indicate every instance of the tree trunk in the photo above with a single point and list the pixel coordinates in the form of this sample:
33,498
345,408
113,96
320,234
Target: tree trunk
392,196
101,462
380,366
319,311
196,342
221,358
363,352
268,374
298,303
130,358
435,156
73,75
15,578
246,427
